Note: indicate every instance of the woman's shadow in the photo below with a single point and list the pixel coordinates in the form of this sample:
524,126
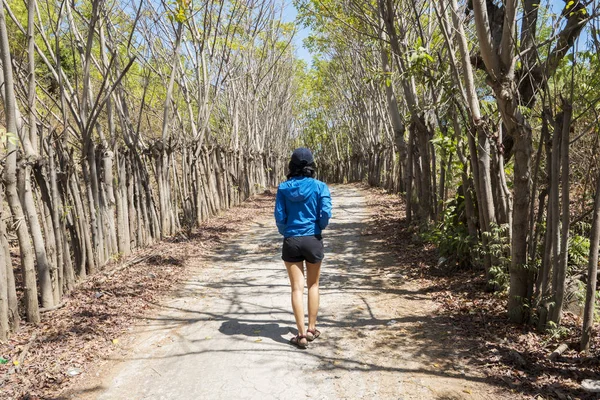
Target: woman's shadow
269,331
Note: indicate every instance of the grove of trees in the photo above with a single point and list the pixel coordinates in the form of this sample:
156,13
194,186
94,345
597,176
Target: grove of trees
484,114
126,122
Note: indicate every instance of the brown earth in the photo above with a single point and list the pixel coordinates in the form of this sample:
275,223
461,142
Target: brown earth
226,331
208,315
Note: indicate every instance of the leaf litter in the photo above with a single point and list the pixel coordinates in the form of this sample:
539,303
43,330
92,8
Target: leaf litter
512,356
71,340
42,361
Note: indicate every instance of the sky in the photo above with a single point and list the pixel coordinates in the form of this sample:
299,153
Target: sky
290,13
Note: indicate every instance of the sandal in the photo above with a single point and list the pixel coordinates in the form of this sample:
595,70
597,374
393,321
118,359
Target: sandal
296,341
312,334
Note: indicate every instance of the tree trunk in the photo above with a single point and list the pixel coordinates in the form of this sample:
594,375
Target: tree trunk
519,274
397,124
11,291
505,200
5,269
56,269
42,266
590,296
106,157
129,201
409,174
122,207
466,183
543,280
163,162
80,215
536,225
561,270
552,240
10,180
486,202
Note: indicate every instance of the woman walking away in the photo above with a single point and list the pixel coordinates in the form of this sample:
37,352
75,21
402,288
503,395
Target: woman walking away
302,211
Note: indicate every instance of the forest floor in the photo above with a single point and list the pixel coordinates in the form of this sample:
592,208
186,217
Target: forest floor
208,315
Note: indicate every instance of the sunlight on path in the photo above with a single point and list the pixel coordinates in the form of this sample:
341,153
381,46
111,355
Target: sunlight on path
226,335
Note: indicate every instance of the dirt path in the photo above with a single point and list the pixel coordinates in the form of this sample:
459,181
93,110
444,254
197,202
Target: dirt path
226,335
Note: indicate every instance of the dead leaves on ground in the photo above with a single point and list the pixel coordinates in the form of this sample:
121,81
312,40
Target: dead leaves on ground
513,356
71,340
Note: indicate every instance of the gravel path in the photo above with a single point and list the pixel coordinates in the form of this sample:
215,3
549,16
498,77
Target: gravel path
226,335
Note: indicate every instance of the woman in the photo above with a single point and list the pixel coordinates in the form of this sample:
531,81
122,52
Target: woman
302,211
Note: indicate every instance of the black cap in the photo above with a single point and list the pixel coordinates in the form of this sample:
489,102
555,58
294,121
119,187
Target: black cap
302,157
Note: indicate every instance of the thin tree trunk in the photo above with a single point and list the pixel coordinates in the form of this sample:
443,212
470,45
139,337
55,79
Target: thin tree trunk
561,272
107,161
163,162
466,183
397,124
549,242
56,207
129,201
11,291
520,278
486,202
84,228
409,175
553,235
47,272
56,270
10,180
504,192
122,207
5,269
590,296
536,225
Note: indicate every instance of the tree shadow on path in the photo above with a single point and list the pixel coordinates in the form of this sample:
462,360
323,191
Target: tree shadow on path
372,317
377,325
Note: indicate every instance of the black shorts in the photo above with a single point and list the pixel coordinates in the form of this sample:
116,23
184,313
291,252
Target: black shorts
301,248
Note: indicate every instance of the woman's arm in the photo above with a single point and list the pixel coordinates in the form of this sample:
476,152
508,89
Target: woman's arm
325,212
280,213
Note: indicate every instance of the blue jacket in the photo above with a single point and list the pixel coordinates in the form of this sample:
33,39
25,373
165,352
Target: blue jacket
303,207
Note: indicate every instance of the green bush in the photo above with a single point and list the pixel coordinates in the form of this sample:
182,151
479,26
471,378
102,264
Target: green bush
499,250
451,236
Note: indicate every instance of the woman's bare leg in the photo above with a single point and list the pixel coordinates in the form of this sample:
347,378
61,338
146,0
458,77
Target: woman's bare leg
313,271
296,274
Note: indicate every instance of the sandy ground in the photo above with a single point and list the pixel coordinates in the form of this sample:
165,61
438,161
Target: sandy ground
226,333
